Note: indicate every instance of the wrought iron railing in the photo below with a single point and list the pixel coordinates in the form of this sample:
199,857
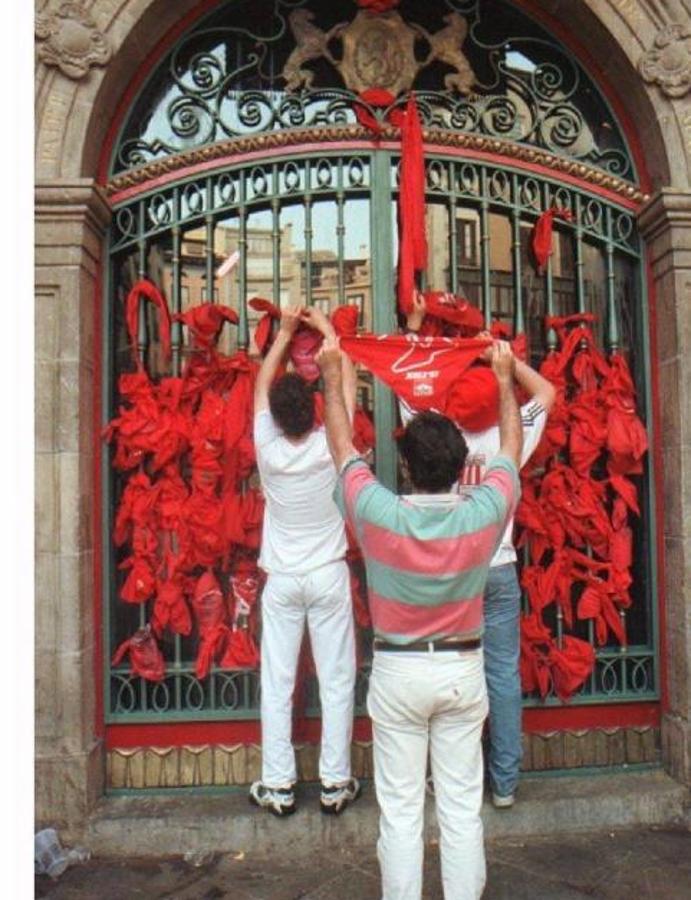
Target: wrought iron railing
595,268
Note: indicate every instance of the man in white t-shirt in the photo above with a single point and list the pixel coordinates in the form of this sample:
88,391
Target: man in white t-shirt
303,553
502,601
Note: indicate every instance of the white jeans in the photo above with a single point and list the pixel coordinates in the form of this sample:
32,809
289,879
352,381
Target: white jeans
435,701
322,597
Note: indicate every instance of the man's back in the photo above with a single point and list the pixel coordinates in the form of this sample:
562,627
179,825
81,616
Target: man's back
427,555
303,529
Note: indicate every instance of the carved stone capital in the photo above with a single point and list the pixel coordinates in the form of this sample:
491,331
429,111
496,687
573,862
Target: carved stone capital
69,39
668,62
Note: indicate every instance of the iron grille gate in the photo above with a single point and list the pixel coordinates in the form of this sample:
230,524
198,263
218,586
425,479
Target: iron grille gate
322,227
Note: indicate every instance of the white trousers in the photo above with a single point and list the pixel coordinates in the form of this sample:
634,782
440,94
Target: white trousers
434,701
322,599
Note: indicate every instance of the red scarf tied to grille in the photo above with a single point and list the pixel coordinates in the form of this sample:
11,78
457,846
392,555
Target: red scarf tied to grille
146,659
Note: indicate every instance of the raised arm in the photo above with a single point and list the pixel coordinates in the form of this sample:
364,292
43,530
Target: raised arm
538,387
290,319
417,313
510,430
339,430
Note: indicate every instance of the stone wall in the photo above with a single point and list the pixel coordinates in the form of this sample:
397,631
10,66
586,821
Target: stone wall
85,63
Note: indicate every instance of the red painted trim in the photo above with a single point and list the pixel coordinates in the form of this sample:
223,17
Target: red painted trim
177,734
302,149
563,718
99,724
569,718
658,471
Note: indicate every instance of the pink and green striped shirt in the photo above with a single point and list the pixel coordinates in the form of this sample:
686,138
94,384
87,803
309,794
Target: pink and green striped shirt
427,555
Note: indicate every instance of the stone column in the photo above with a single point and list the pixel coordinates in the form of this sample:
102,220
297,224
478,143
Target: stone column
71,218
665,224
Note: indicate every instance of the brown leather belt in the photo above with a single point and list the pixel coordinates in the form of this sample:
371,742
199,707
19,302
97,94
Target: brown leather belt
427,646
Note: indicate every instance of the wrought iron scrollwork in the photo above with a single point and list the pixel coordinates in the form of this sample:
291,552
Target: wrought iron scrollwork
231,78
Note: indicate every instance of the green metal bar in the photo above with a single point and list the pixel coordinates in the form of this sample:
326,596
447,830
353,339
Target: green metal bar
484,249
243,324
340,233
383,317
551,336
276,239
612,321
176,342
308,239
209,242
518,319
578,236
453,231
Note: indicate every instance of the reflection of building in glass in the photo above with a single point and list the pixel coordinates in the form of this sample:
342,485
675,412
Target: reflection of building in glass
264,258
501,264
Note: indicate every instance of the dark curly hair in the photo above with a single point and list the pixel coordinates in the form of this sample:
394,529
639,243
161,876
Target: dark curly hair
434,451
291,401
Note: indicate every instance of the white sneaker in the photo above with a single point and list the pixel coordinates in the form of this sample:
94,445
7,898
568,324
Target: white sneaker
279,801
500,801
333,800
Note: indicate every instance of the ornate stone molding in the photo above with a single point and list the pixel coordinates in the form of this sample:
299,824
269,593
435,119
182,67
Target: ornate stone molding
668,62
69,39
138,768
225,150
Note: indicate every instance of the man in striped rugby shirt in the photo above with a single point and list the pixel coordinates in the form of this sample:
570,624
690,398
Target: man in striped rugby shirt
427,556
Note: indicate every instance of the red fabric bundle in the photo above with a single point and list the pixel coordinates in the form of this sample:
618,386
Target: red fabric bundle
588,431
146,659
205,322
202,533
262,333
457,311
363,431
541,239
170,608
473,399
627,440
149,291
534,667
344,320
141,581
241,651
210,612
570,665
302,350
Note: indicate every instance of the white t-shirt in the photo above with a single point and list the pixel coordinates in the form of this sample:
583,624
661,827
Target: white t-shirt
483,446
303,528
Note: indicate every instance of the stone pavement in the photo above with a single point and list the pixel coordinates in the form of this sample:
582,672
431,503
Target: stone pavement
637,864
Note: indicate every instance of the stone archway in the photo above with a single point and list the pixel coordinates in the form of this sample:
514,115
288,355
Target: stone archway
76,102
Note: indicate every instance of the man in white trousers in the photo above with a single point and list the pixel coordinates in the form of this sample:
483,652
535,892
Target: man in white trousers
303,553
427,557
